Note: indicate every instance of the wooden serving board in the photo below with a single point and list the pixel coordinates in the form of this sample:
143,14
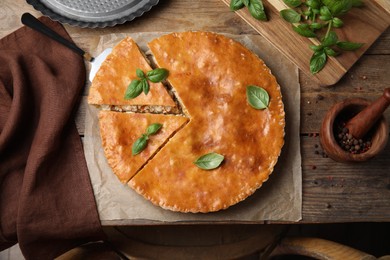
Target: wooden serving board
363,25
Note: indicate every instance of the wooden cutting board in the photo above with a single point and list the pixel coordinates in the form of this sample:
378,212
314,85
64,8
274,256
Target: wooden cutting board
363,25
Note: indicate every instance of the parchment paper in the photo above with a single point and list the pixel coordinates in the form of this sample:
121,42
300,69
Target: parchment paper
279,199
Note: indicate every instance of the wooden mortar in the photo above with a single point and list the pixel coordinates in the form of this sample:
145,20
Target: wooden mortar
362,118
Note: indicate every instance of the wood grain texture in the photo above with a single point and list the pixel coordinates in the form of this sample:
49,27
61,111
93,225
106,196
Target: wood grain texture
363,25
193,242
332,192
340,192
385,4
319,249
381,45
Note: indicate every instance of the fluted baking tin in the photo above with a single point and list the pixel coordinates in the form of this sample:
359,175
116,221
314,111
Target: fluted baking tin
93,13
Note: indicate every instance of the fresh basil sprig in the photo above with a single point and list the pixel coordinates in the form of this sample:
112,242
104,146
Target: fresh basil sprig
317,61
255,8
304,30
257,97
153,129
349,46
141,143
291,15
293,3
209,161
236,5
318,15
157,75
134,89
136,86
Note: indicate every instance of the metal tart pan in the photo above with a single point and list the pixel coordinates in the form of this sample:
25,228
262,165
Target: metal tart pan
93,13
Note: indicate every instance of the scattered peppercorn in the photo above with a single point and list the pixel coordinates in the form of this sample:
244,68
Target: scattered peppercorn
320,97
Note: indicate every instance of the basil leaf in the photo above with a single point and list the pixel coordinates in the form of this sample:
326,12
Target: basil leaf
342,7
145,86
236,5
330,40
257,97
325,18
349,46
292,3
337,22
157,75
303,30
316,26
317,62
307,12
316,47
139,145
330,52
209,161
245,2
324,11
153,129
134,89
256,9
314,4
290,16
338,7
140,74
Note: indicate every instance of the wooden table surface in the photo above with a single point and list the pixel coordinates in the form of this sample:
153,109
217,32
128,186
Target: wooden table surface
332,192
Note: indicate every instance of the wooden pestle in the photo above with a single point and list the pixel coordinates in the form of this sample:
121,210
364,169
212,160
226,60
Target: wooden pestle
360,124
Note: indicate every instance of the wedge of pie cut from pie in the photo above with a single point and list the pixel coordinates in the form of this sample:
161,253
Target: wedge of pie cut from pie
119,131
210,73
115,74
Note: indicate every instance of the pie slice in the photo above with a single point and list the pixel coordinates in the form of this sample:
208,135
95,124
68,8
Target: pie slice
115,74
210,73
119,131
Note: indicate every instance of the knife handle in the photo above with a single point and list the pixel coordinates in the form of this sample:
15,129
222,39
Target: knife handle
32,22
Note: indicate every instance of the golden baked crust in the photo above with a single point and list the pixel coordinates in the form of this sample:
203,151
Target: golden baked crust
115,74
209,73
119,131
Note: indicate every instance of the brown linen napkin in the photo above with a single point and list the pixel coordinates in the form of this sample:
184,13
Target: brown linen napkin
46,198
